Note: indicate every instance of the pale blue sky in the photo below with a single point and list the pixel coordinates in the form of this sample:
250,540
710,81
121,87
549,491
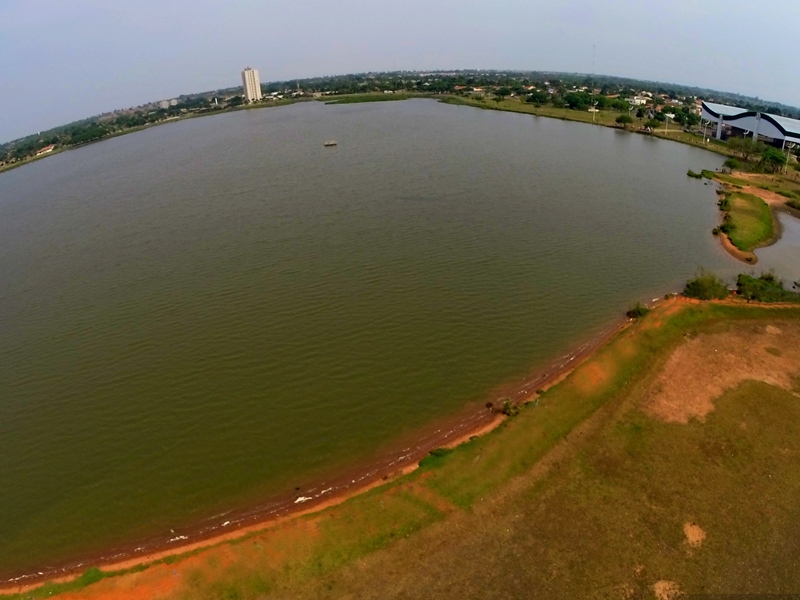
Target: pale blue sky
62,60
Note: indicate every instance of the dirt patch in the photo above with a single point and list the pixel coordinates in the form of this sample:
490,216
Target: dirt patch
695,536
666,590
704,367
592,376
771,198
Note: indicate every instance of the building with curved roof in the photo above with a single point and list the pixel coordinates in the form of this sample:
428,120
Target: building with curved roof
763,124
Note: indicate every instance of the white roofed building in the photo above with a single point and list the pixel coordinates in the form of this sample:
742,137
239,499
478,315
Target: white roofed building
775,127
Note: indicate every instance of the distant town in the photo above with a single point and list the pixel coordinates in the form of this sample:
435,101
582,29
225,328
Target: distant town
630,101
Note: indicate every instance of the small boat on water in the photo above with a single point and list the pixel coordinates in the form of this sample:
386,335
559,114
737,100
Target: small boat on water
331,143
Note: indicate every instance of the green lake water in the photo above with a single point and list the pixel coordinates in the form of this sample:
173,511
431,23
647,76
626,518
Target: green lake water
208,314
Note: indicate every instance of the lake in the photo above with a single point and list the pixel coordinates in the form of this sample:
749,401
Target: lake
206,315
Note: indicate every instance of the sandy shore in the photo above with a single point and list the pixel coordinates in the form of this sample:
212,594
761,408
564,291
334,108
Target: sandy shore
746,257
475,421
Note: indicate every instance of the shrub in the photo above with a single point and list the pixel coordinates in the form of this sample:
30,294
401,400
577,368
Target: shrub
726,227
509,408
731,164
638,311
90,576
434,456
706,286
766,288
691,173
440,451
794,204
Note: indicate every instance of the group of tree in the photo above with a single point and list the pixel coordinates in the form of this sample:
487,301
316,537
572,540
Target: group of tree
769,158
767,287
97,128
568,90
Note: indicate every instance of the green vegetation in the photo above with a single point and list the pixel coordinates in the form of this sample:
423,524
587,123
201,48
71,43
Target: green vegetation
731,164
560,95
748,221
89,577
624,120
434,457
638,311
772,159
766,288
706,286
510,409
691,173
370,98
745,147
785,186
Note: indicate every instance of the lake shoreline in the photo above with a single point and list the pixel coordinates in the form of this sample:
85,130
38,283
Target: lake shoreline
442,98
450,432
358,475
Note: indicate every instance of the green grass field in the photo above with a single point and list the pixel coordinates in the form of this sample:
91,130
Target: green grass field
750,221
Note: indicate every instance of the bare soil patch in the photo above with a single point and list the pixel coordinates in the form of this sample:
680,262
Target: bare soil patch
695,536
666,590
704,367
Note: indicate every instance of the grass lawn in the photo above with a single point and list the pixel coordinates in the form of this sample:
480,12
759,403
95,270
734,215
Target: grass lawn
750,221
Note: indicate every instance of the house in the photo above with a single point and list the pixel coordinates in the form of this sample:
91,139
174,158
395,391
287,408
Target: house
46,149
637,100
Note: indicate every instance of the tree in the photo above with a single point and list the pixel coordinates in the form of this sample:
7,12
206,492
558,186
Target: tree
652,123
624,120
706,286
745,147
731,164
640,113
538,98
773,159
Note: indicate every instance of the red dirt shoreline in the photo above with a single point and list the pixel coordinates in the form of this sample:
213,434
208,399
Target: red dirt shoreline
471,422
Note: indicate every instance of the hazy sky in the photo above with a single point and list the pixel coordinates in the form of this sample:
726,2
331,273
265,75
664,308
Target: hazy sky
62,60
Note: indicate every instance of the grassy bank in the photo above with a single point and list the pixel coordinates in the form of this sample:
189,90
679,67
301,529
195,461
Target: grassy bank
360,98
748,221
606,118
531,505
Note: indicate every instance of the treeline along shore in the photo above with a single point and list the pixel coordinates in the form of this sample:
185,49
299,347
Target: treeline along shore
621,102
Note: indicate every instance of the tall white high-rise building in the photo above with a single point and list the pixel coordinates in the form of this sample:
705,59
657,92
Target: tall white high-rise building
251,84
